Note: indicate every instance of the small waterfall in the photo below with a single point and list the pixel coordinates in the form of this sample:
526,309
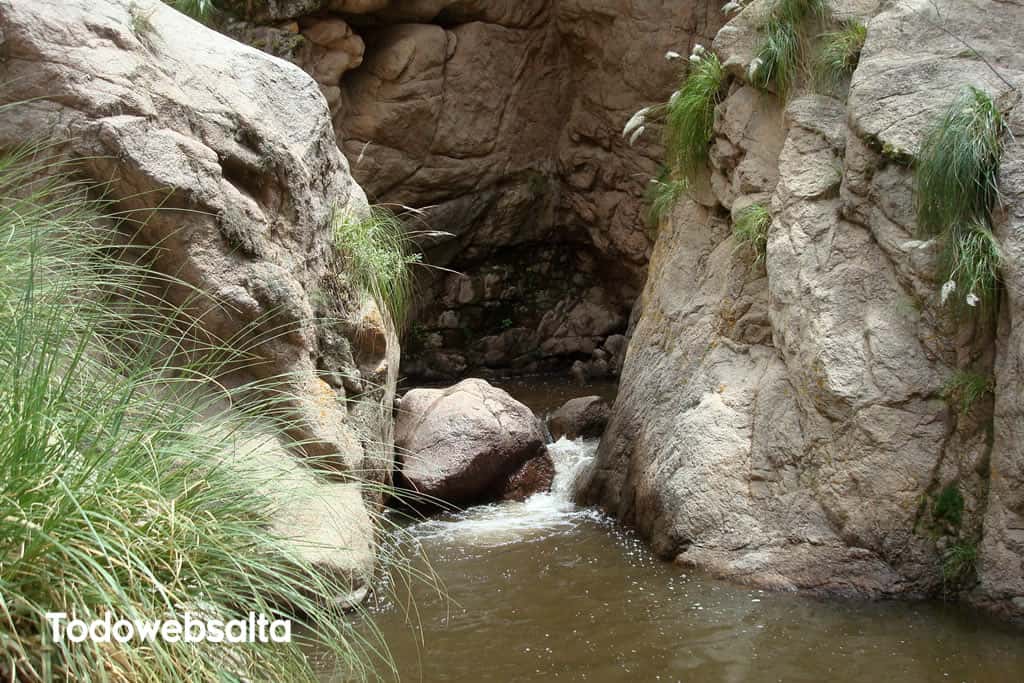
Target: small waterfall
536,517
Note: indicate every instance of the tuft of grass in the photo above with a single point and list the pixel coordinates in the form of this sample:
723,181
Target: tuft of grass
838,54
142,26
959,564
751,229
117,489
783,46
663,193
376,256
200,10
690,115
966,388
969,267
958,165
949,506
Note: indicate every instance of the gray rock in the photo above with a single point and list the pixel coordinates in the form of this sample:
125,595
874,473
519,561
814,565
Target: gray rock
585,416
461,445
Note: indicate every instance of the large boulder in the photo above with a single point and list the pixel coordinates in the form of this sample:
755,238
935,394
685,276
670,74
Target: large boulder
585,416
461,445
237,150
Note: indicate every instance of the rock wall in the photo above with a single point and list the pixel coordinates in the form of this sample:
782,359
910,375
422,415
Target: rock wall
501,119
224,160
784,423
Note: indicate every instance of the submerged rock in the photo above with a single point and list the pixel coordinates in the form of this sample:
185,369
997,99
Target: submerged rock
585,416
463,445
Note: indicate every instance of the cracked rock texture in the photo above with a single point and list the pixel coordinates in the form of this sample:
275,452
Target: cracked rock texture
504,118
238,151
784,423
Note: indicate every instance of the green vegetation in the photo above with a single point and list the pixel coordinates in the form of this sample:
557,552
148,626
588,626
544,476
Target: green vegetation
838,54
376,255
751,229
956,190
690,114
958,165
785,35
113,494
200,10
949,506
662,194
966,388
959,563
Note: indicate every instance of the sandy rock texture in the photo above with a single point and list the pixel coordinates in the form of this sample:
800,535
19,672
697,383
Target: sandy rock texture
502,120
238,151
784,423
469,443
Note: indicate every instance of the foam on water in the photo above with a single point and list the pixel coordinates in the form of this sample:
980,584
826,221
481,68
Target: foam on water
536,517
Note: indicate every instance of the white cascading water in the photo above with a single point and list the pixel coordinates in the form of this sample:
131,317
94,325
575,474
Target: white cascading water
512,522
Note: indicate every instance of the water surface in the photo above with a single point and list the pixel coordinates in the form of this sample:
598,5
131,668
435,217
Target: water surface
543,590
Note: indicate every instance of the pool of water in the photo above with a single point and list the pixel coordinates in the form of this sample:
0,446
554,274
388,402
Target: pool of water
543,590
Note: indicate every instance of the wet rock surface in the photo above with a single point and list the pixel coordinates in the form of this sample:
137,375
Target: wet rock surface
585,417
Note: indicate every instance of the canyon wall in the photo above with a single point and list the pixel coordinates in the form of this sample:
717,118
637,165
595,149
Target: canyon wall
502,121
786,423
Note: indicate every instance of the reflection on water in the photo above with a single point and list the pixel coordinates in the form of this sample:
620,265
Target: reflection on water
542,590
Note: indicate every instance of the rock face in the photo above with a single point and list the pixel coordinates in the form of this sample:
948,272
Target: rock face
502,119
468,444
585,416
237,150
784,423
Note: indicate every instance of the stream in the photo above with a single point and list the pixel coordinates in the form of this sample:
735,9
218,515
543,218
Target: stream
544,590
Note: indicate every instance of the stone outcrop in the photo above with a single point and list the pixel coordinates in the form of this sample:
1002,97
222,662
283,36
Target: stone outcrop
784,423
585,416
501,119
469,443
237,150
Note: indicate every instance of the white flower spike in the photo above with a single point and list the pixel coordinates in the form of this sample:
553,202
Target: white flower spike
635,121
698,49
972,299
730,7
694,59
672,56
636,135
947,289
753,68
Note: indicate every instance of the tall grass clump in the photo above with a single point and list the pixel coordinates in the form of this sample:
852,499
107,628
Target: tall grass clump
956,190
114,495
785,36
376,256
751,229
663,193
966,388
958,164
838,54
690,114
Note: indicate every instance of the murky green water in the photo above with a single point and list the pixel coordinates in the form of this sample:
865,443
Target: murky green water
542,590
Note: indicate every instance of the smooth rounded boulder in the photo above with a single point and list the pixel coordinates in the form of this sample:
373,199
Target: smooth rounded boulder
462,444
585,416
